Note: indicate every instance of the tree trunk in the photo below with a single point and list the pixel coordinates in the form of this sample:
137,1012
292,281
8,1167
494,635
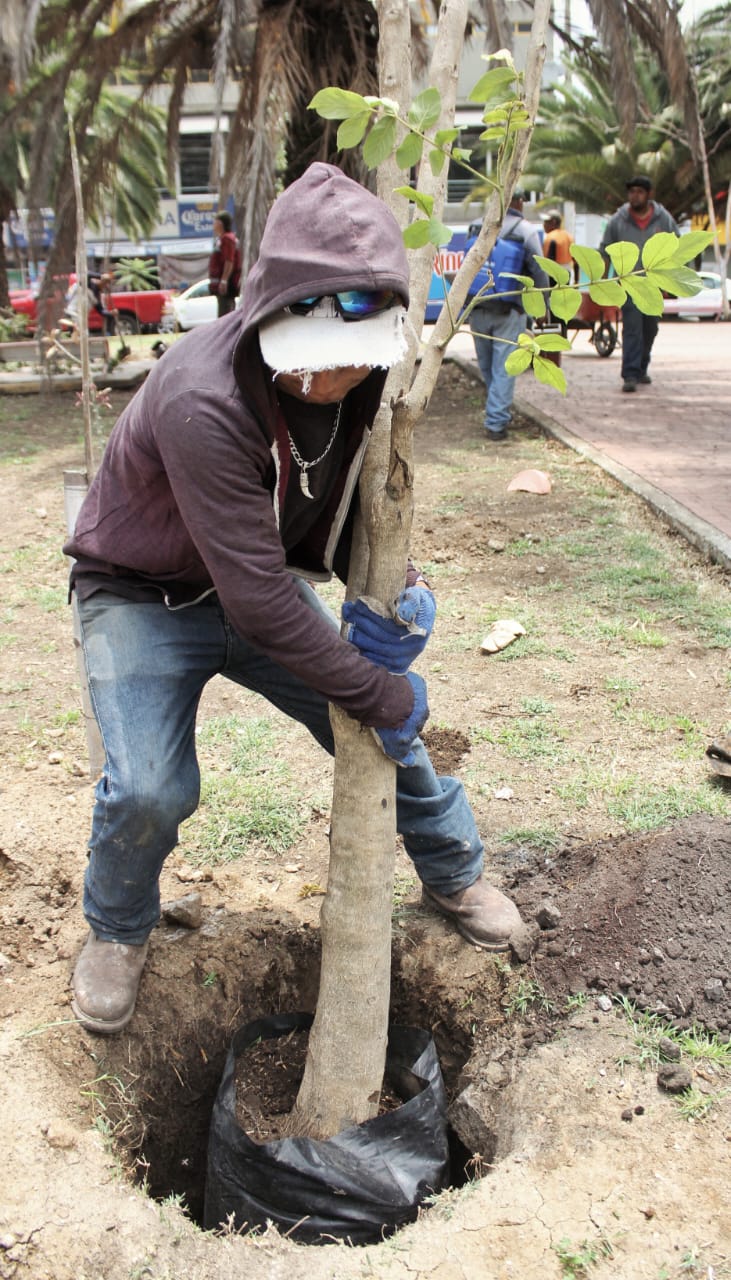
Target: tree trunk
347,1044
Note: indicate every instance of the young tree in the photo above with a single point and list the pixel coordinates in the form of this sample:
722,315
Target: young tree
347,1048
346,1053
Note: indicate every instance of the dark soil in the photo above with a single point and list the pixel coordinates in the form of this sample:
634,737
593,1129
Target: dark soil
644,917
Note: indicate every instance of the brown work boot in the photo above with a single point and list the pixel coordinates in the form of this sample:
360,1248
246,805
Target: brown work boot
105,983
483,915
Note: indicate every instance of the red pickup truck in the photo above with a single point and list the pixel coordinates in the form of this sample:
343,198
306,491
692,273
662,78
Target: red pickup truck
138,312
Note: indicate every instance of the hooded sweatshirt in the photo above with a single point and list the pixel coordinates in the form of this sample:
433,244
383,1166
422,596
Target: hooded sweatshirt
194,490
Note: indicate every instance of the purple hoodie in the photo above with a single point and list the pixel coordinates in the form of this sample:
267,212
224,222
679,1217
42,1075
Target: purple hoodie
192,490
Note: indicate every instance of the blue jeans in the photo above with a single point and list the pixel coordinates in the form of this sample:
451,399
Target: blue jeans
496,322
147,667
638,334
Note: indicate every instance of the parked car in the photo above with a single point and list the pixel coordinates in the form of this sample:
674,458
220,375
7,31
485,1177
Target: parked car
138,311
190,308
705,305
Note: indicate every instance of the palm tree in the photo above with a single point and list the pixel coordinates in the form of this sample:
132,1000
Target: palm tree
579,153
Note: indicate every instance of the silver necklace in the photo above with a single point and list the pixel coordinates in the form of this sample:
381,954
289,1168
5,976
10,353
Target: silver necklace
307,466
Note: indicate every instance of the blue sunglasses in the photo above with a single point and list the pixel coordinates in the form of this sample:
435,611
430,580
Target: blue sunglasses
355,304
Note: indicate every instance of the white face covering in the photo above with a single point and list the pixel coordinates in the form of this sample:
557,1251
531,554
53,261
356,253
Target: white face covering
323,340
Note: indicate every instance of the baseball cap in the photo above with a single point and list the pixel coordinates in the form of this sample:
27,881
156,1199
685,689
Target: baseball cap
640,180
519,194
355,328
551,213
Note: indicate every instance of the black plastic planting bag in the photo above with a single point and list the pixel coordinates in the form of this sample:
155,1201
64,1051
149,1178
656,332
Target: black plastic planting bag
360,1185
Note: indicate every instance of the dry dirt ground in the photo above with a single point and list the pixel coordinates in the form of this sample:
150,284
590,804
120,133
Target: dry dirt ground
582,750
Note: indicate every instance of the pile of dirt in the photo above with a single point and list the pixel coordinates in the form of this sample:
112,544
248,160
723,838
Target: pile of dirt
647,918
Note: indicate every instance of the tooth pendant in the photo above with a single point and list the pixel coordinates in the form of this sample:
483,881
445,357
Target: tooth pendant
304,486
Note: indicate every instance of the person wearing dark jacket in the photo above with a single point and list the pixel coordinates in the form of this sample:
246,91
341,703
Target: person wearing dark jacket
228,487
636,221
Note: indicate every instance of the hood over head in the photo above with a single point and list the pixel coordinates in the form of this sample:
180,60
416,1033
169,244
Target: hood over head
326,234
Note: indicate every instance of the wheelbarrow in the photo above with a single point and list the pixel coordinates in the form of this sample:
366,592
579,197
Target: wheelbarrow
603,322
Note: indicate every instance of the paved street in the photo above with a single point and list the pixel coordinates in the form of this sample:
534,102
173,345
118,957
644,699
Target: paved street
670,441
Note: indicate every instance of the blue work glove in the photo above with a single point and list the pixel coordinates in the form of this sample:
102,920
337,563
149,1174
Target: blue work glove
391,642
396,743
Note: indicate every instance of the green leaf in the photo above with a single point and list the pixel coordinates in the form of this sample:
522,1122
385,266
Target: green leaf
608,293
553,269
416,235
680,281
443,137
380,142
534,303
426,231
691,244
437,160
660,250
623,256
646,297
352,131
419,198
552,342
409,152
564,303
338,104
425,110
590,261
496,132
492,83
548,372
517,362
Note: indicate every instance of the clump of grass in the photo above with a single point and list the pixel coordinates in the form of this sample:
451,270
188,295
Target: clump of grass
253,802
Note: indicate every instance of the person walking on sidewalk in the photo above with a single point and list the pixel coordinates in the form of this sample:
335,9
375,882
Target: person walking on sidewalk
497,321
637,220
557,241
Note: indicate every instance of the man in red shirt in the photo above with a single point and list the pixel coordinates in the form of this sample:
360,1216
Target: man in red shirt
224,267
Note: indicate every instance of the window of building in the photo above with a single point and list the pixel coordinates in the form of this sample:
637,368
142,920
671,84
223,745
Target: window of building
195,162
459,182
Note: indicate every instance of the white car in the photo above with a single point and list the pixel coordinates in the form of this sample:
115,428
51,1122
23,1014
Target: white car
704,305
190,308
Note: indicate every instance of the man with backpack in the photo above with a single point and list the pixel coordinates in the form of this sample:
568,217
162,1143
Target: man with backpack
498,318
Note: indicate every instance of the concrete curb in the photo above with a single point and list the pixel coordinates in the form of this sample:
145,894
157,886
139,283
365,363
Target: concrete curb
713,544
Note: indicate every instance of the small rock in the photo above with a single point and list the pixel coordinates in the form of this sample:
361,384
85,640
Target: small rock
713,990
495,545
523,941
186,911
5,963
59,1136
628,1113
504,793
55,757
7,1240
657,955
669,1050
643,956
673,949
548,915
604,1003
674,1078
